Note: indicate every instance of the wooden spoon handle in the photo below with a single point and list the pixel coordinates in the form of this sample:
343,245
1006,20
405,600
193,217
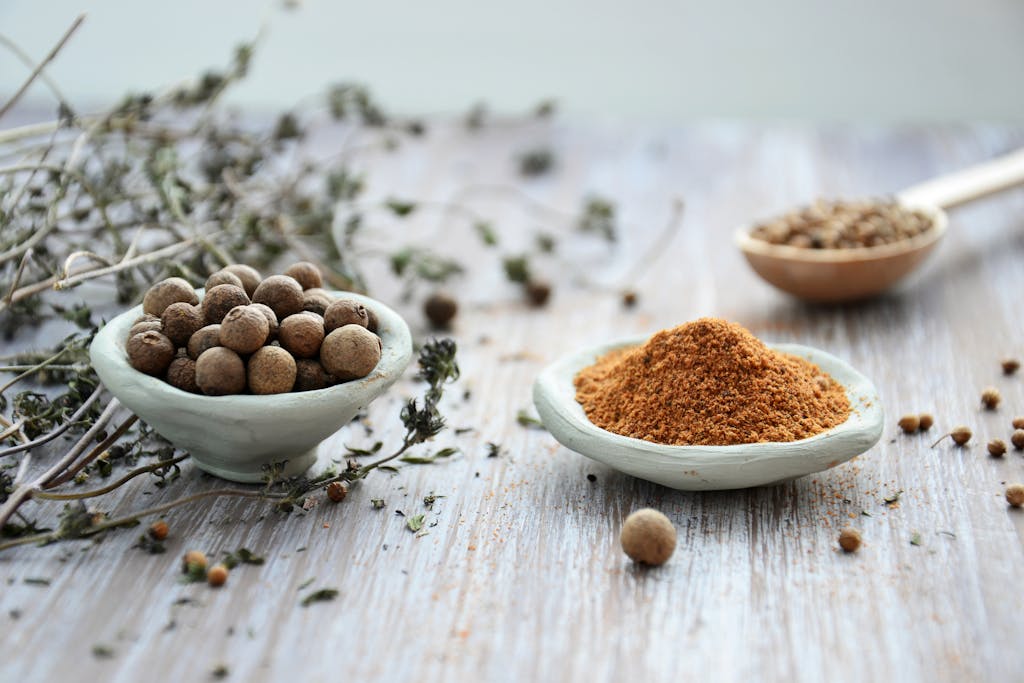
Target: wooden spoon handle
971,183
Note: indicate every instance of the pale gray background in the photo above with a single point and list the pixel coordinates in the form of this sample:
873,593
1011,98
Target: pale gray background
864,60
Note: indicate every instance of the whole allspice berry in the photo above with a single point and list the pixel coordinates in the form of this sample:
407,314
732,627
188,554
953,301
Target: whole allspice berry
271,319
336,491
220,371
1017,439
350,352
316,301
244,329
910,423
960,435
167,292
306,274
205,338
990,398
1010,366
850,539
310,375
302,334
538,292
249,276
158,530
1015,495
648,537
282,293
925,421
146,326
223,277
150,352
180,321
440,309
217,576
221,299
996,448
345,312
372,322
271,370
181,373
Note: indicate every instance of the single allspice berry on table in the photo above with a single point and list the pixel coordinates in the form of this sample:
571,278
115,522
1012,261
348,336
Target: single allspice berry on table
1017,439
538,292
217,575
960,436
990,398
910,423
925,421
1010,366
1015,495
337,491
996,448
440,309
158,530
648,537
850,539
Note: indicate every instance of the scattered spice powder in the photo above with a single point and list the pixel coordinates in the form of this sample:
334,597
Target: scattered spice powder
709,382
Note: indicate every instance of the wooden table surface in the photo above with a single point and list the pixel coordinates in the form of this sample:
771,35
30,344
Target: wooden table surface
520,577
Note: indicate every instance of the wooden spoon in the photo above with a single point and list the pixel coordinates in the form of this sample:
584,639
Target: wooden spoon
835,275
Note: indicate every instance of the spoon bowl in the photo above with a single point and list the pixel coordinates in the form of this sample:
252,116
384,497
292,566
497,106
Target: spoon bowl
837,275
709,468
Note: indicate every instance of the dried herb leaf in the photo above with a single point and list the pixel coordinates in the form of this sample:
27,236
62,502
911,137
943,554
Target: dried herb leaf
321,595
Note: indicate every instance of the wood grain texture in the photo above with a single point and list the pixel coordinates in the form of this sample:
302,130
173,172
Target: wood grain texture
520,577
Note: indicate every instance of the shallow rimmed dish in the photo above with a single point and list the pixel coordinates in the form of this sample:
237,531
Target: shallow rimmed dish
234,437
708,468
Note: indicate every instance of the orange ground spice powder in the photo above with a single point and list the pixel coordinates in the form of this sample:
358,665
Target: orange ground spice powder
709,382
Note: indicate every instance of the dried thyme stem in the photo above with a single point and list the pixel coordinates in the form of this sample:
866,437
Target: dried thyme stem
71,421
153,467
39,67
97,451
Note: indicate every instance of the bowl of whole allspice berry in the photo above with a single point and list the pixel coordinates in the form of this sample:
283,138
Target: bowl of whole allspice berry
250,372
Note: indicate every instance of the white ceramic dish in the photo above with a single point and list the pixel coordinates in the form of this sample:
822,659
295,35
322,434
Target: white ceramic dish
234,437
708,468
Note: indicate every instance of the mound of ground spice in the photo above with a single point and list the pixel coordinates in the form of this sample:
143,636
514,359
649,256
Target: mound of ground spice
709,382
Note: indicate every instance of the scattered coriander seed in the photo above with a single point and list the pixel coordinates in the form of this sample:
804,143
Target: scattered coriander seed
166,292
925,421
1017,439
538,292
146,326
1018,423
629,298
960,436
271,370
282,293
271,319
150,352
345,312
990,398
194,561
220,371
181,373
648,537
337,491
1010,366
996,448
180,321
221,299
1015,495
850,539
217,575
910,423
223,277
204,338
249,276
244,329
158,530
350,352
440,308
310,375
302,334
306,274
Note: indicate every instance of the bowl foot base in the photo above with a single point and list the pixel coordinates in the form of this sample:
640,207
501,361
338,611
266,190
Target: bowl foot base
253,473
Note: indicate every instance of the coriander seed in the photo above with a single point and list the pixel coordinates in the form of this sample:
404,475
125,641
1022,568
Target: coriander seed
996,448
249,276
440,309
910,423
990,398
1015,495
1010,366
1018,423
337,491
282,293
960,436
244,329
220,371
194,562
217,575
1017,439
925,421
850,539
167,292
648,537
221,299
150,352
538,292
158,530
271,370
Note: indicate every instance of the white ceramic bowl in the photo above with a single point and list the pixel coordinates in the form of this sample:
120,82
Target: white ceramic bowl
707,468
234,437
